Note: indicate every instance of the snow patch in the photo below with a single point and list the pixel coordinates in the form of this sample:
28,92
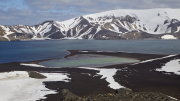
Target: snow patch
108,75
172,98
17,86
154,59
172,66
115,27
178,29
84,51
168,37
31,65
7,31
36,38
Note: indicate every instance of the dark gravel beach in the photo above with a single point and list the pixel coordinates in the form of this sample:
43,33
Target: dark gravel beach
140,77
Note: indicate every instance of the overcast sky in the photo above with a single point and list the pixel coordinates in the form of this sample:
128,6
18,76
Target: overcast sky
32,12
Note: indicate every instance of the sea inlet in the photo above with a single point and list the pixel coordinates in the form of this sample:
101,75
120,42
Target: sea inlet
87,60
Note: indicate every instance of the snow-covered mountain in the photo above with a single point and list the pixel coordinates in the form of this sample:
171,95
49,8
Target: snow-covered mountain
115,24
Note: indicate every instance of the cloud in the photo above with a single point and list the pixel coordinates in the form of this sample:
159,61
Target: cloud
36,11
2,6
91,6
3,0
56,4
15,16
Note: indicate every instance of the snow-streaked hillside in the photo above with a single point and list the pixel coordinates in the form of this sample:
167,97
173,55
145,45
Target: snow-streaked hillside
115,24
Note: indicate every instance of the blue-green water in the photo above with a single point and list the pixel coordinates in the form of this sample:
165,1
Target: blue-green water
22,51
87,60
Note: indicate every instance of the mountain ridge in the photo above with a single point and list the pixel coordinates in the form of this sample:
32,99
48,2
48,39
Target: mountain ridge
115,24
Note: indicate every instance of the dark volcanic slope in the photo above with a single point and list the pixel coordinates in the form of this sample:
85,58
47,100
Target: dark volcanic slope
143,77
139,77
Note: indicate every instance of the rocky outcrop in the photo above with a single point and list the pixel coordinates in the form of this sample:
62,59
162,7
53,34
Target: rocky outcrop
123,91
123,94
36,75
66,95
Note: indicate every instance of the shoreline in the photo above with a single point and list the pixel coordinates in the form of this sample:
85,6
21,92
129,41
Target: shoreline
142,79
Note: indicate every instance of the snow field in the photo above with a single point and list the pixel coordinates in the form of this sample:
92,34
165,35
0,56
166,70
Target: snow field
171,66
17,86
108,75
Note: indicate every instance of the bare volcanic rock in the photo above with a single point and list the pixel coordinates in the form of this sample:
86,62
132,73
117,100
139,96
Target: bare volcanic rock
66,95
36,75
123,90
123,94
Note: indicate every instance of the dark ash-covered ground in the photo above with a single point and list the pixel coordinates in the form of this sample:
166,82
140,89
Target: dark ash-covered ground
140,77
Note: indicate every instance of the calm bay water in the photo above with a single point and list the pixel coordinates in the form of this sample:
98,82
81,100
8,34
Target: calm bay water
21,51
87,60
